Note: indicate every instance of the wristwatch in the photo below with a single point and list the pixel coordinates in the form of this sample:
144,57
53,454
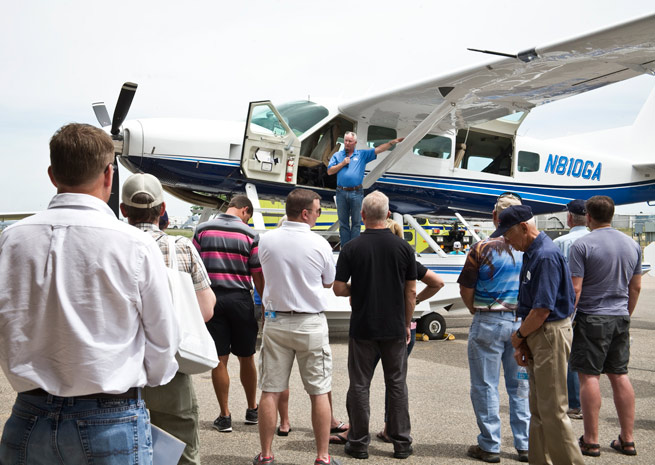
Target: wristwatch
519,335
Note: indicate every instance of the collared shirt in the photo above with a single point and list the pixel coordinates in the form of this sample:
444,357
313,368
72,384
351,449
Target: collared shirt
84,303
566,241
229,249
352,174
187,256
492,268
296,263
606,260
545,280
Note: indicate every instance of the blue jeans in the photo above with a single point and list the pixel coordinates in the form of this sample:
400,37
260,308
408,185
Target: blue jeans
52,430
349,212
489,345
573,386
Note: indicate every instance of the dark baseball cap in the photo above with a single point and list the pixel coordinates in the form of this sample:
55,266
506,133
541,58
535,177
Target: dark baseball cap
512,216
577,207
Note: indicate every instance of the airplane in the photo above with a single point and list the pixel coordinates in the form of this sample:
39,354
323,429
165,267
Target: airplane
460,149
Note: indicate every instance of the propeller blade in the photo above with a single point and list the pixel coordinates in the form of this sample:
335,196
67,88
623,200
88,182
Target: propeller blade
123,106
101,113
114,198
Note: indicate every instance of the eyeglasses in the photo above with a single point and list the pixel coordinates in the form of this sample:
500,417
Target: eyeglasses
318,212
510,194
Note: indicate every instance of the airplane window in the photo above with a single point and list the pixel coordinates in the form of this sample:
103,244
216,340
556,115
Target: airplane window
528,161
378,135
264,121
434,146
302,115
475,163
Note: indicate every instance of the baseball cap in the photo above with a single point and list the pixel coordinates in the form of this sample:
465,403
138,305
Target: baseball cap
142,183
457,245
577,207
512,216
506,200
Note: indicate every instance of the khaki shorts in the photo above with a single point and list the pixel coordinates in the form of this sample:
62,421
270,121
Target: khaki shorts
299,336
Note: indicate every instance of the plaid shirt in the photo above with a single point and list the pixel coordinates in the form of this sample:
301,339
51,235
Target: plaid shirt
188,259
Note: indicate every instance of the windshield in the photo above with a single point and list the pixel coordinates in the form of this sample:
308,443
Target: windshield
300,116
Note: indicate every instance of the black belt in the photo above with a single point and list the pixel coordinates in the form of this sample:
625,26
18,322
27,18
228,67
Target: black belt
356,188
132,393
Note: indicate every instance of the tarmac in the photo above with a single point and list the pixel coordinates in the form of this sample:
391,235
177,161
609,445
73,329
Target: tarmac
443,423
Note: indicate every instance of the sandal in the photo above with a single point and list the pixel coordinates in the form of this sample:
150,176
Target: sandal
621,447
283,433
338,438
382,436
340,428
586,448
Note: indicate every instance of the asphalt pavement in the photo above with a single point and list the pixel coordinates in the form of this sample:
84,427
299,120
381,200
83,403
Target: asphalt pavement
443,423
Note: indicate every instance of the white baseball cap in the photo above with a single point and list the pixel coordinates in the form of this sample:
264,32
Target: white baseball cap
142,183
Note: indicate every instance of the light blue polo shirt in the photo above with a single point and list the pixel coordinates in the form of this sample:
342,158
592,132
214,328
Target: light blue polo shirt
352,174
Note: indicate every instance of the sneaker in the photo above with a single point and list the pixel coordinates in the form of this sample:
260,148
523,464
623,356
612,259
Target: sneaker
332,461
523,455
356,454
574,413
477,453
223,424
252,416
403,454
259,460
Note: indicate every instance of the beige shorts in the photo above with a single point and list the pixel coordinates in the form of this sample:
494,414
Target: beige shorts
303,337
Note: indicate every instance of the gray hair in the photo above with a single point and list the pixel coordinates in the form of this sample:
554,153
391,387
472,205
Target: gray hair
376,206
351,134
578,220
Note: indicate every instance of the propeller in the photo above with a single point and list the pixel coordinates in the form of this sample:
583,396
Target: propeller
120,112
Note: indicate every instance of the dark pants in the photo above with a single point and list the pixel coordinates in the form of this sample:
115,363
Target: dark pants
362,359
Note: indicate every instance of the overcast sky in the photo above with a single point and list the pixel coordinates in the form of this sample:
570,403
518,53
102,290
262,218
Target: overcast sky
208,59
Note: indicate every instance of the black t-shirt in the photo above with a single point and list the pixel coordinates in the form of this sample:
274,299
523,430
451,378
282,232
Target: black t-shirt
378,263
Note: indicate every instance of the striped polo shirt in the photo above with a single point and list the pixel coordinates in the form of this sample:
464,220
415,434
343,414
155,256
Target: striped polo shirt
229,249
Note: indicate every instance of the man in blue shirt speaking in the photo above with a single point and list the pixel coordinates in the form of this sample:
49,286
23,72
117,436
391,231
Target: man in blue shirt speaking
349,165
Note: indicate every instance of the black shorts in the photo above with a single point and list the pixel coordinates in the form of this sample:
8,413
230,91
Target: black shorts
601,344
233,326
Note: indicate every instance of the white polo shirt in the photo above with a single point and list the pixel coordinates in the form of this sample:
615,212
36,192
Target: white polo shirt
296,262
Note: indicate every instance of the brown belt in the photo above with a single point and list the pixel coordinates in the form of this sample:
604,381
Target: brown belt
356,188
132,393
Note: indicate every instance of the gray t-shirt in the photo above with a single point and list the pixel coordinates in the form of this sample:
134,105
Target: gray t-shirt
607,260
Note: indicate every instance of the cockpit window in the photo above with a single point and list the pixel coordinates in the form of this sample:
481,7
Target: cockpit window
300,116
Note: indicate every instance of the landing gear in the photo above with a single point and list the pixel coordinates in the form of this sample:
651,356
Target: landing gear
432,324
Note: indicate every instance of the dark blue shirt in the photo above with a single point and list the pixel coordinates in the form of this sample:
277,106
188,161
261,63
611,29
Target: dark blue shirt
545,281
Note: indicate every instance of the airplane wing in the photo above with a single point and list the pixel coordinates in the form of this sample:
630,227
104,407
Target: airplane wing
490,91
534,77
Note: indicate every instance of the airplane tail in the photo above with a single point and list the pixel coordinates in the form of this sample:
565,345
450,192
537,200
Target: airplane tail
643,129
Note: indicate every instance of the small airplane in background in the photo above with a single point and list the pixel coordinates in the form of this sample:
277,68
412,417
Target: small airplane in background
461,148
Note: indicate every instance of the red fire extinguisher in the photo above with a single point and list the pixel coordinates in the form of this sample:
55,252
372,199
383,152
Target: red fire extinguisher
290,163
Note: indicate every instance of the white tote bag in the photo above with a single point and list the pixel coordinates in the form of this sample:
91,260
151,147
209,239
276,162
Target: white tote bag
197,351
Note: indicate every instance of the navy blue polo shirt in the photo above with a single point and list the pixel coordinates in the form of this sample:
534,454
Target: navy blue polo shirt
545,281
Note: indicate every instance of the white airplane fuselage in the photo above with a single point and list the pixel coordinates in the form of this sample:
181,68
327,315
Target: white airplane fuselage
204,156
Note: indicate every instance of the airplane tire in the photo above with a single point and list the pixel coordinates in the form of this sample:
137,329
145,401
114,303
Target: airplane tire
433,324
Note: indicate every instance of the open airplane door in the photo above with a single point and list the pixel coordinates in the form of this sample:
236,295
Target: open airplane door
270,147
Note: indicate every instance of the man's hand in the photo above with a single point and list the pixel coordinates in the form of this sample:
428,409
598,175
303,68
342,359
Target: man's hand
346,161
409,334
522,355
